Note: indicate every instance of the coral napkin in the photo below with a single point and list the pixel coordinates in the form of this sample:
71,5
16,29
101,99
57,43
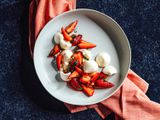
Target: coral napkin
129,103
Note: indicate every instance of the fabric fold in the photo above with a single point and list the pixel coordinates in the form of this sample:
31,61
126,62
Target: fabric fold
41,11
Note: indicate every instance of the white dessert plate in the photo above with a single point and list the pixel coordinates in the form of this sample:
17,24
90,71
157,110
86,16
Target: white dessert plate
95,27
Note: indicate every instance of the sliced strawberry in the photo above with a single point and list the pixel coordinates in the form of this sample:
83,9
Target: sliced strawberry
66,35
73,83
85,78
69,85
73,64
86,45
75,56
70,28
80,57
76,40
74,74
92,83
92,74
79,70
102,76
100,83
56,49
87,90
95,77
83,41
58,61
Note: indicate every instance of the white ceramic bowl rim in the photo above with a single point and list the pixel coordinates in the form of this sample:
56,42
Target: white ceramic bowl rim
90,10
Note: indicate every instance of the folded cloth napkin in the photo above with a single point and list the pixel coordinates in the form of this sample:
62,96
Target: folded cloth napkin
41,11
129,102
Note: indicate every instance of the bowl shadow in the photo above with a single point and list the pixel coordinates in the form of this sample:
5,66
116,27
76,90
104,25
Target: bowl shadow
30,81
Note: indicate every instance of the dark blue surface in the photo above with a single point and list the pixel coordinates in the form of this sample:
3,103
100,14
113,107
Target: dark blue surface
21,94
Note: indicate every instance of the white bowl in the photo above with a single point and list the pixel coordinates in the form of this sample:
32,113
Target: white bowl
95,27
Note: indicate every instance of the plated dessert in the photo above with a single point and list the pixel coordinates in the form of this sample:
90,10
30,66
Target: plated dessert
75,64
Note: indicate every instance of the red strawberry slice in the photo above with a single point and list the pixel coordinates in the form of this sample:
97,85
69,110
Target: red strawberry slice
75,56
95,77
100,83
79,70
102,76
76,40
74,74
92,74
85,78
83,41
87,90
73,64
80,57
66,35
70,28
73,83
56,49
58,61
86,45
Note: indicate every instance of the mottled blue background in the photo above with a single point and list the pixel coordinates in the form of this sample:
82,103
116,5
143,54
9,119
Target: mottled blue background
21,95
